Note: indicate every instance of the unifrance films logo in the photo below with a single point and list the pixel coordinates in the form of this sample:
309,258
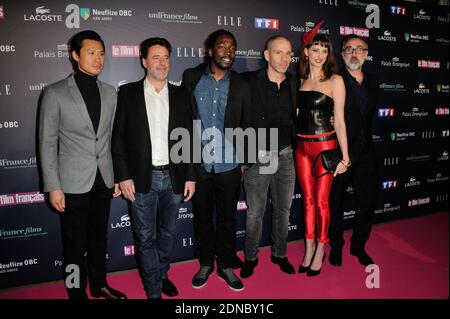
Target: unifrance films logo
7,163
394,87
25,232
174,17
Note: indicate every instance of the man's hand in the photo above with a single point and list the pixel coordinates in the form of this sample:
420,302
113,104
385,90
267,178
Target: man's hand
57,200
189,190
127,188
117,191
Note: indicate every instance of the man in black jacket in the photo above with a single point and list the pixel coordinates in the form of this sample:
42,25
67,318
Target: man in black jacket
148,174
361,102
273,92
219,99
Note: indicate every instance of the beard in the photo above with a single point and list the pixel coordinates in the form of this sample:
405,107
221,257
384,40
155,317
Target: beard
354,64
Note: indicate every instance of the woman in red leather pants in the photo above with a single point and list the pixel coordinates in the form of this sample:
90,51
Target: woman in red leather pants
320,97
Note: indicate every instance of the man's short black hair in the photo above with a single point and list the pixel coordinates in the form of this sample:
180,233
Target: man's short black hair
213,37
147,43
76,42
351,37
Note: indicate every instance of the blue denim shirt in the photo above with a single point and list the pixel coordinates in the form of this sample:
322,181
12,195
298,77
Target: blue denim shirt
211,96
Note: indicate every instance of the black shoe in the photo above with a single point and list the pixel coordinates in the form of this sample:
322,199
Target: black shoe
335,257
363,257
237,262
312,273
168,288
200,278
233,281
108,293
302,269
284,264
248,267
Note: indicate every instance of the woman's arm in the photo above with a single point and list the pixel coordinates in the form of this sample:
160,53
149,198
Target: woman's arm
338,89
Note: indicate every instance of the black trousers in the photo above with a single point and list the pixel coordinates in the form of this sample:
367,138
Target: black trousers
362,175
84,227
216,235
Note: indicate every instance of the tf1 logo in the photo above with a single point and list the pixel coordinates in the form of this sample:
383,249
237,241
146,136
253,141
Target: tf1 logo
267,23
389,184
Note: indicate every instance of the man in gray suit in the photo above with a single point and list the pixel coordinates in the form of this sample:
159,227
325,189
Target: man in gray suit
75,127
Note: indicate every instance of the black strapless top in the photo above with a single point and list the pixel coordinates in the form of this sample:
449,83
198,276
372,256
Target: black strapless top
315,111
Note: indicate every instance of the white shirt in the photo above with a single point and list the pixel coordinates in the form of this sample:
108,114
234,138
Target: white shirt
157,106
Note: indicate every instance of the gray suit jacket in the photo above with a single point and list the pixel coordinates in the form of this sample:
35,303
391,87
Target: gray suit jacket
70,151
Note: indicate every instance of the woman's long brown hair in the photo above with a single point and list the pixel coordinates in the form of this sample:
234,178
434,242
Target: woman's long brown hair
330,65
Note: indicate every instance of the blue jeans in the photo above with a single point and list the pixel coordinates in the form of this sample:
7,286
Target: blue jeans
154,215
282,184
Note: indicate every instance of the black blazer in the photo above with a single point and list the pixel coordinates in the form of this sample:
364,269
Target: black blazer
238,103
131,145
258,108
355,121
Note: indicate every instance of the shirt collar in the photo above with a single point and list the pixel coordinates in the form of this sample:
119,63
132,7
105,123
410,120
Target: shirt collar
209,73
148,88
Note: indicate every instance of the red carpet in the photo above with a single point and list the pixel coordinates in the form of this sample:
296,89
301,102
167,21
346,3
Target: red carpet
412,256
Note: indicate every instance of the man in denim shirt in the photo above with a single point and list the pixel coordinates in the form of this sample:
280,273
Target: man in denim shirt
219,99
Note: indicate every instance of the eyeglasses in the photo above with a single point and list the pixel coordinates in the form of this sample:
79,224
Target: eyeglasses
358,50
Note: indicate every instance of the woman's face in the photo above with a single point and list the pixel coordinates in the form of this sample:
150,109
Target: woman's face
317,55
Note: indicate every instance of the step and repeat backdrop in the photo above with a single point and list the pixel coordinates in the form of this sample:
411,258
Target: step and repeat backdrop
409,50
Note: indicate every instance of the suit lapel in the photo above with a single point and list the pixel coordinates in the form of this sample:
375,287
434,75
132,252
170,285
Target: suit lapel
172,102
103,107
261,83
197,75
79,102
141,108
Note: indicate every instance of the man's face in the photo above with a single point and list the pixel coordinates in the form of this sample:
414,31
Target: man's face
278,55
157,62
91,58
355,54
223,52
